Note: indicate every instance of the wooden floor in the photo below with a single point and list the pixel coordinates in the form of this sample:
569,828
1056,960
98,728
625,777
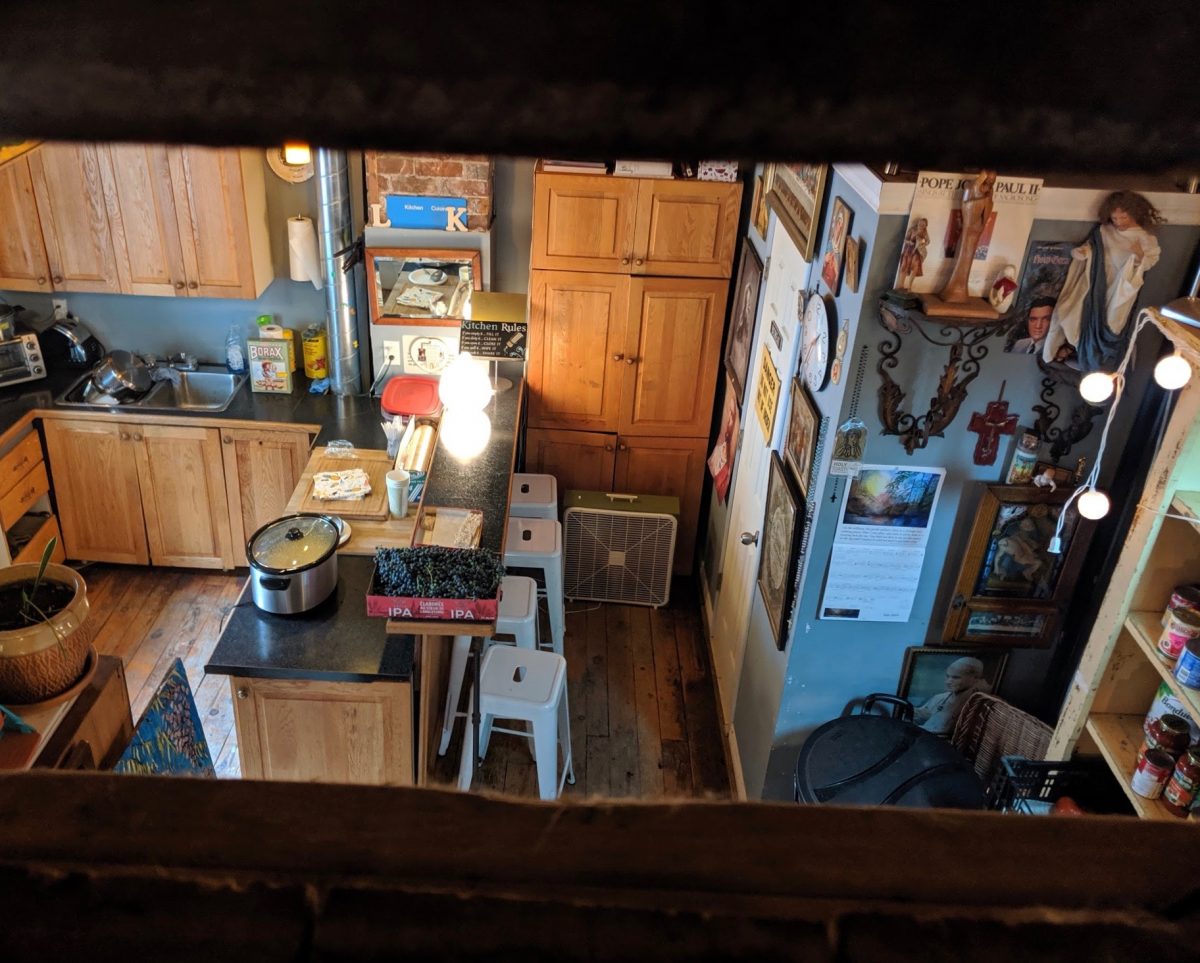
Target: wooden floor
643,711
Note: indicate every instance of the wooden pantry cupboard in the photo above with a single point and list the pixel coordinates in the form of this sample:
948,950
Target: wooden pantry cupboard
1120,670
627,307
135,219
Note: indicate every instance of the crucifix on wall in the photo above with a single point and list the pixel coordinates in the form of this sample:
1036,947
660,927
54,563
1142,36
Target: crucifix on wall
991,423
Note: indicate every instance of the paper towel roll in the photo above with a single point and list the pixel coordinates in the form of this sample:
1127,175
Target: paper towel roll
302,251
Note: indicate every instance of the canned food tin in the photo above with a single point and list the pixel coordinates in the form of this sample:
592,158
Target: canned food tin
1183,784
316,364
1154,768
1187,669
1180,625
1185,598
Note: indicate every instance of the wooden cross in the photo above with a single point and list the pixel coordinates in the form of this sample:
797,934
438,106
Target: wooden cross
993,422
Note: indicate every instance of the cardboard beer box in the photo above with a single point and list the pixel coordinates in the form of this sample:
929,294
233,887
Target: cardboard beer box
269,366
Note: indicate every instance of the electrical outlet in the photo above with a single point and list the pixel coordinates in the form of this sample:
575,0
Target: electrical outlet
60,308
391,348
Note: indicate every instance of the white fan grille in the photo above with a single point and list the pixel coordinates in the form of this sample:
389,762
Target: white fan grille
618,556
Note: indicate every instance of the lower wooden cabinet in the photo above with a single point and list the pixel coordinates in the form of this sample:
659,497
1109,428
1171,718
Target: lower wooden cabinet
308,731
633,464
262,469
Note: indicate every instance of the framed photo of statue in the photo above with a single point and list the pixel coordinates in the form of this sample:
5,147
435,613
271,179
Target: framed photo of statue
741,319
938,680
794,193
1011,589
804,424
782,527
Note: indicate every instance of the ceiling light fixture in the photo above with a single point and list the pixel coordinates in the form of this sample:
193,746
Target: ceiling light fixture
296,153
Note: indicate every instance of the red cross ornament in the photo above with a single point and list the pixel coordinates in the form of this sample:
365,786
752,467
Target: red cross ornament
991,423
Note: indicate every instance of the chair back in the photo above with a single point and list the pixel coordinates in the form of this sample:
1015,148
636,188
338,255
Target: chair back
988,729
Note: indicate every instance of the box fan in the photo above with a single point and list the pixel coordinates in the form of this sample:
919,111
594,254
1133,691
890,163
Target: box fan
619,548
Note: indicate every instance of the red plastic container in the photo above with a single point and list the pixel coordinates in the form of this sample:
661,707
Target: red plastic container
411,395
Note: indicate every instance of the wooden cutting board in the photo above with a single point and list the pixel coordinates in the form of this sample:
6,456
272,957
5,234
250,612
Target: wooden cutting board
373,507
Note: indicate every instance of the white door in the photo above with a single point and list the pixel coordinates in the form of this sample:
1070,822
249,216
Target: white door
787,273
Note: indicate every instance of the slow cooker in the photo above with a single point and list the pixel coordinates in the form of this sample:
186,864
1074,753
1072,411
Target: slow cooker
293,563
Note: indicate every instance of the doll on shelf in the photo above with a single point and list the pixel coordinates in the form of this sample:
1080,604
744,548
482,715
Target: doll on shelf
1100,293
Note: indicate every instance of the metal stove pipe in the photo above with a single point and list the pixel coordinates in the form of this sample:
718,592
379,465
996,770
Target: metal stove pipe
336,232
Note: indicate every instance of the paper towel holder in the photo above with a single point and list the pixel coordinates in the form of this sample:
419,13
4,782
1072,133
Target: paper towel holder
292,173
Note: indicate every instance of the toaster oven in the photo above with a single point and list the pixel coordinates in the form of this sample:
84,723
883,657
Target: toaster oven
21,360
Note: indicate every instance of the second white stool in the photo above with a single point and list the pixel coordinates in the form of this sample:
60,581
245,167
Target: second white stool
533,496
530,686
517,617
537,543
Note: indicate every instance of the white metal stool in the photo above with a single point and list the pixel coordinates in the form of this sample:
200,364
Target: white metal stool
530,686
533,496
537,543
517,617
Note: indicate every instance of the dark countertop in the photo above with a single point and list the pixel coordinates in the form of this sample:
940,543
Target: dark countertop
335,642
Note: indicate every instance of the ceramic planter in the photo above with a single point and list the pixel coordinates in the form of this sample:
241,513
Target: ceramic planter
40,661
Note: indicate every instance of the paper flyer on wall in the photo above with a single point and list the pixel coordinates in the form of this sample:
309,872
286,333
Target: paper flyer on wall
879,545
928,251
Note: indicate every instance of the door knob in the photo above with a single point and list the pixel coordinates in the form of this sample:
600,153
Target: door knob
749,538
618,357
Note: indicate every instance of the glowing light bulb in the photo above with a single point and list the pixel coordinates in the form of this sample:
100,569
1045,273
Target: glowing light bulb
296,154
465,433
1097,387
1093,504
1172,372
465,385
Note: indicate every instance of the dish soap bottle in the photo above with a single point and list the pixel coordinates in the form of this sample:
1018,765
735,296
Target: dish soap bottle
235,354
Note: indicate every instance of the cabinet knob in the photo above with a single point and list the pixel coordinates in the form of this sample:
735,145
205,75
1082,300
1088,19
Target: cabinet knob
58,279
608,447
178,285
227,439
624,260
639,260
631,360
42,279
192,285
618,357
749,538
243,692
137,436
124,436
622,448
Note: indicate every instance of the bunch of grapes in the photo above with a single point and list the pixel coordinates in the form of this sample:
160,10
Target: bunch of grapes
432,571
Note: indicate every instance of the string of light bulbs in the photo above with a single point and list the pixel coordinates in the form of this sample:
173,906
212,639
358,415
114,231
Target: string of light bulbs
1171,372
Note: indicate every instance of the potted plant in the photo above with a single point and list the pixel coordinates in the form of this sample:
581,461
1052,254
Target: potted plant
44,634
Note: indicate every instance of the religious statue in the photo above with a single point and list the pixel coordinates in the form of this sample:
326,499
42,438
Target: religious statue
976,209
912,253
1089,327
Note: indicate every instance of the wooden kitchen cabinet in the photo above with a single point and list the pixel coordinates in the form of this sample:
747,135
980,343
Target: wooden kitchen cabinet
74,221
23,264
686,228
262,469
666,466
581,460
307,731
95,476
584,223
183,495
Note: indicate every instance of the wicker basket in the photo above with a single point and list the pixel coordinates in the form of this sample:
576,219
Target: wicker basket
40,661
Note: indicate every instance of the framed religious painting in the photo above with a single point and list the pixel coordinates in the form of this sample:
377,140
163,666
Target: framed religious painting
783,524
794,193
1012,590
741,319
840,219
804,423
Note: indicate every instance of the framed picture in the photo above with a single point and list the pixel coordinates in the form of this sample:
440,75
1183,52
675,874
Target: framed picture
840,218
1011,589
853,254
758,208
795,192
804,423
741,319
780,548
938,680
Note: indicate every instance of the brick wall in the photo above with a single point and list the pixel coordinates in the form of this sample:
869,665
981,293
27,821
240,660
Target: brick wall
436,175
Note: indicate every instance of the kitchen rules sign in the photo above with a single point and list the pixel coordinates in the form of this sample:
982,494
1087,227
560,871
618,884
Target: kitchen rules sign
493,339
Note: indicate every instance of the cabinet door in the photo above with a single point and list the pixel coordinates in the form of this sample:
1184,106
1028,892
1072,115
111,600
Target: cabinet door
23,265
183,495
141,215
93,465
674,341
70,202
576,361
583,223
262,469
666,466
352,732
581,460
686,228
214,230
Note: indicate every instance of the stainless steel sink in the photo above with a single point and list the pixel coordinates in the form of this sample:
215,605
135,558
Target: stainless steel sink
210,388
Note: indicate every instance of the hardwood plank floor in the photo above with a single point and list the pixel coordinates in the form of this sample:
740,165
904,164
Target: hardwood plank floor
640,688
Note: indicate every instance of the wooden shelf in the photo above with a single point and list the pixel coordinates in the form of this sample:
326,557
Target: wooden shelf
1119,737
1187,503
1145,628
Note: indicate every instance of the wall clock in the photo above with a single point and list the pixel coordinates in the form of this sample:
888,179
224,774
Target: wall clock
816,341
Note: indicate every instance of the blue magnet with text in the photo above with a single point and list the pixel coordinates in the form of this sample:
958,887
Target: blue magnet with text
430,213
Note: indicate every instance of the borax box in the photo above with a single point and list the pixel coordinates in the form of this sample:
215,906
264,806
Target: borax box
269,366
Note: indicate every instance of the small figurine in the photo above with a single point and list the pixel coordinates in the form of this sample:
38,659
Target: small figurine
1046,480
1089,328
1004,289
976,209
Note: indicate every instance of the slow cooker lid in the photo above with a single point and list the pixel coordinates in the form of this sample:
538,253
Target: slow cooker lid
293,543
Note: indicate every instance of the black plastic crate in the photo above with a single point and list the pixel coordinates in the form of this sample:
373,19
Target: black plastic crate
1028,786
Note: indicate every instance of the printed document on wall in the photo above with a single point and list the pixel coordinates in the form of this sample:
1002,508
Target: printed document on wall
879,546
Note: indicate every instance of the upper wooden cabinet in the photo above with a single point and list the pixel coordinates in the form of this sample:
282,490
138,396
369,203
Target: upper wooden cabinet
23,265
136,219
75,226
634,226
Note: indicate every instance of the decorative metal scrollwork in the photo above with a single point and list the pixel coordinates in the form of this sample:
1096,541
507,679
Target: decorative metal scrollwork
965,339
1083,415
